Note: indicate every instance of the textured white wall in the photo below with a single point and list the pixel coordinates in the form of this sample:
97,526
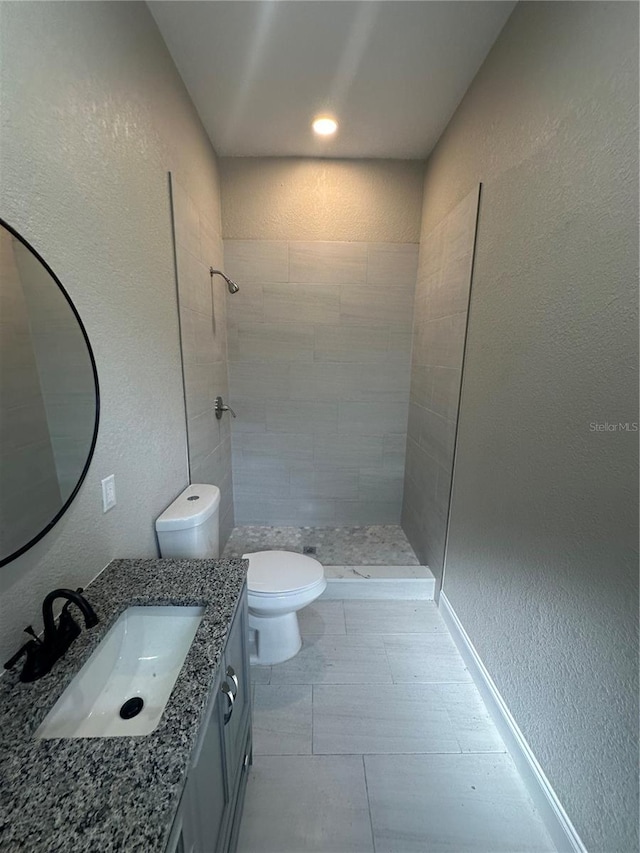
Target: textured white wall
289,198
94,116
542,559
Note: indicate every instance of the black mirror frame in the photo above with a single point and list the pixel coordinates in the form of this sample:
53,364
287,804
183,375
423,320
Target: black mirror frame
94,438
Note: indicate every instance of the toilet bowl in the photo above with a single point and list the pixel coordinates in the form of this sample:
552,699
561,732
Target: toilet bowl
279,584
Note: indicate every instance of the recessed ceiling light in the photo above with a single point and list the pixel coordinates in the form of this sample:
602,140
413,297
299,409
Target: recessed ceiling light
324,126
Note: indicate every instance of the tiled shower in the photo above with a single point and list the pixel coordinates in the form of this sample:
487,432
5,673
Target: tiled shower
342,361
440,324
319,349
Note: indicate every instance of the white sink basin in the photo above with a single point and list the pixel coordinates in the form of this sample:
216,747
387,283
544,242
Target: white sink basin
139,658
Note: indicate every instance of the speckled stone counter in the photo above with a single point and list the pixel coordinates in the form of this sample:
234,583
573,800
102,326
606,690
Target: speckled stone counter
117,793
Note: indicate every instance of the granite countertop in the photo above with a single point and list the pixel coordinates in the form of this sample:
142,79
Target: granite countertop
114,793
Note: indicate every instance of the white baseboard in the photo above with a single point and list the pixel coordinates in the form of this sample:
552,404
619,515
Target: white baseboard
557,822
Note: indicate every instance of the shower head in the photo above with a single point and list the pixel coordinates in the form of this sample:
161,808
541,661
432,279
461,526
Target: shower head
233,287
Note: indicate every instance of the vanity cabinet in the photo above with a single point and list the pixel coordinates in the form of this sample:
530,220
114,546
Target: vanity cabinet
210,810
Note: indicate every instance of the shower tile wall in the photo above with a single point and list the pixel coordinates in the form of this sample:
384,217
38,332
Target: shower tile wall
319,360
203,331
441,305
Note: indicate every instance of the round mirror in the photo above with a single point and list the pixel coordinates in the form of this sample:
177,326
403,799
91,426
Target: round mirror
49,400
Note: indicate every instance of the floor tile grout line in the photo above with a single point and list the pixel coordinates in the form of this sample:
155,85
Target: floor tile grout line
380,754
351,683
366,788
398,754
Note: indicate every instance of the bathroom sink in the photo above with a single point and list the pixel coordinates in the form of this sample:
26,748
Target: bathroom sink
124,686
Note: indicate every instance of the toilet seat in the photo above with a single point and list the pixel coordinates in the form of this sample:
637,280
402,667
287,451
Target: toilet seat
282,573
279,584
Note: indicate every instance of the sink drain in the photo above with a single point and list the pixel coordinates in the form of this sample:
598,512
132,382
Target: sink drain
132,708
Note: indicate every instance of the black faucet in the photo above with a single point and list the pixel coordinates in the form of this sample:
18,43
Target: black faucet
42,654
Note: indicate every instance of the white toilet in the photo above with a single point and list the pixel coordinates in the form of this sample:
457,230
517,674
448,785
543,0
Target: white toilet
279,582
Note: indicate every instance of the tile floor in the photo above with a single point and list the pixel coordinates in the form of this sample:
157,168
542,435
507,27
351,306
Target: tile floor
374,739
375,545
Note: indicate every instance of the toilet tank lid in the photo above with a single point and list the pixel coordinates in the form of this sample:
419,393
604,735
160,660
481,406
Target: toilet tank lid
191,508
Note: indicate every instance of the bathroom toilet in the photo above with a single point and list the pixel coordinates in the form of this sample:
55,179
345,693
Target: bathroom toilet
279,583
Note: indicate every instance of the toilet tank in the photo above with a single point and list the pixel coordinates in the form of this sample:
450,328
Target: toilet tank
188,528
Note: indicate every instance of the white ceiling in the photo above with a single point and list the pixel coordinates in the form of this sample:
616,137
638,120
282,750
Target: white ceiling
391,72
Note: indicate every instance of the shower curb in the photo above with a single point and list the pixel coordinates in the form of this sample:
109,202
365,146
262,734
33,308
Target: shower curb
409,583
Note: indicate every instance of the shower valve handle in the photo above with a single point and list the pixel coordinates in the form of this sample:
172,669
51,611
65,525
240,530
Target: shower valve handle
221,406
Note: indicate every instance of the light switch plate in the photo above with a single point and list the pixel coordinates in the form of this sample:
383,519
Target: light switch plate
108,493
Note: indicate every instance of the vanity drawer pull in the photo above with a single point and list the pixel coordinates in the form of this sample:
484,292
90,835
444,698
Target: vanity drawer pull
224,687
231,673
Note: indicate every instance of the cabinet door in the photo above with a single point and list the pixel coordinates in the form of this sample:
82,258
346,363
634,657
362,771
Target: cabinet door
211,805
208,793
236,679
176,839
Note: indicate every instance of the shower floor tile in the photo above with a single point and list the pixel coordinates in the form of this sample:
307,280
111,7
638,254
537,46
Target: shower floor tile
375,545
